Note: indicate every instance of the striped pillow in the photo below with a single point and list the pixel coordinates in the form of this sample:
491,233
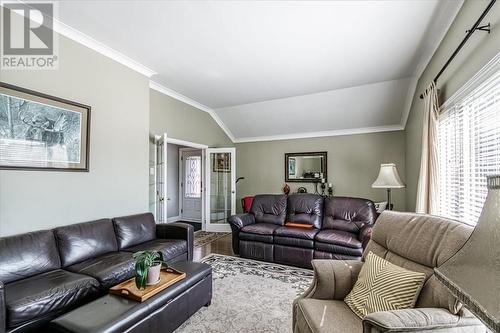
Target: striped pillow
382,286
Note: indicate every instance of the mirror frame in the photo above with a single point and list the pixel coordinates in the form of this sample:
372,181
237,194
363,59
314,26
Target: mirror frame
324,154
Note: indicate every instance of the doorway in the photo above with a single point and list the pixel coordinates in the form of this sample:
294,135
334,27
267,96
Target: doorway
191,185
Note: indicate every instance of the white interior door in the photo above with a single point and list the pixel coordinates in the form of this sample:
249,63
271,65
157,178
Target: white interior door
161,178
191,184
220,186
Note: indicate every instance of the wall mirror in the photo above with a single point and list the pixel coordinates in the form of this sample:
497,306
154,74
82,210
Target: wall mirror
305,167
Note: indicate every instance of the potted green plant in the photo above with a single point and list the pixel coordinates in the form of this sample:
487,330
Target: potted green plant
147,267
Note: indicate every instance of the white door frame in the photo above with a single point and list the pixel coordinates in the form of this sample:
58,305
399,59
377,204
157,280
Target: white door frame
160,196
181,192
195,146
219,227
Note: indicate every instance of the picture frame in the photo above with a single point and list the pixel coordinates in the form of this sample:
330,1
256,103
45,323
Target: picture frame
221,162
42,132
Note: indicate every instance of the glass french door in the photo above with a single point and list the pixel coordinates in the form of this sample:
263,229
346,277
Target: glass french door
160,208
220,188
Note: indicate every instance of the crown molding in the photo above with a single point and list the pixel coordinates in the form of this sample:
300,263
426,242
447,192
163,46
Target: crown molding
84,39
174,94
319,134
101,48
437,30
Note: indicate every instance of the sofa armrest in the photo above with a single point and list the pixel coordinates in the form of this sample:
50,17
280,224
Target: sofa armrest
421,319
3,313
333,279
241,220
365,234
177,230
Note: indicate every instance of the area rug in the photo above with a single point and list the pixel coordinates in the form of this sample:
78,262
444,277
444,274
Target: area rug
249,296
203,237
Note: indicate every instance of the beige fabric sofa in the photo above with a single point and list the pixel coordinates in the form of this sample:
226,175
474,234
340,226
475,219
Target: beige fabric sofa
413,241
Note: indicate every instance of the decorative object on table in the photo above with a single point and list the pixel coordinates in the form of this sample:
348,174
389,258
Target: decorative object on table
380,206
323,186
286,189
42,132
147,267
168,276
305,167
302,190
221,162
388,178
473,273
330,189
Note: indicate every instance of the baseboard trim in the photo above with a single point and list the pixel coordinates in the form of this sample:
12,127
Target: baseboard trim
173,219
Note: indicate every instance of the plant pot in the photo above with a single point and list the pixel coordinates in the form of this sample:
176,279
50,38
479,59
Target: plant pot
153,275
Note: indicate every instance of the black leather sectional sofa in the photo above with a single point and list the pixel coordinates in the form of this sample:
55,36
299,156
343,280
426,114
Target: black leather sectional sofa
46,273
340,228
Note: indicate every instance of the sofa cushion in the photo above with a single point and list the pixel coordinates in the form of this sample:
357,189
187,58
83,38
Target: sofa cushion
258,232
338,237
325,316
269,208
296,232
109,269
25,255
78,242
348,214
170,248
46,295
339,249
134,229
305,208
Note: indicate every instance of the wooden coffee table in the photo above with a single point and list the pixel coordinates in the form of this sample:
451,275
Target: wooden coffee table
163,312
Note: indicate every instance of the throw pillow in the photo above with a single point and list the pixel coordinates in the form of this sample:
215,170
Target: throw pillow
383,286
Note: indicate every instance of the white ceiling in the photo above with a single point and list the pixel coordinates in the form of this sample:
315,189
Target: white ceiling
277,69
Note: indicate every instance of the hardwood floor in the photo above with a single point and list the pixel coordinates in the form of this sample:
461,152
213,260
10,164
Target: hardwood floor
219,246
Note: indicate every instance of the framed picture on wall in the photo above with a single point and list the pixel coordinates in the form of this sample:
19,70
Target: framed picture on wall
42,132
222,162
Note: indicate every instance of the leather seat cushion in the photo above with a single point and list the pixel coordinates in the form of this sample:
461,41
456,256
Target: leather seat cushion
258,232
338,249
47,294
294,242
325,316
339,237
109,269
303,233
170,248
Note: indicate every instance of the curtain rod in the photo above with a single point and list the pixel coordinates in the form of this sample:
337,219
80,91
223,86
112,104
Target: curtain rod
474,28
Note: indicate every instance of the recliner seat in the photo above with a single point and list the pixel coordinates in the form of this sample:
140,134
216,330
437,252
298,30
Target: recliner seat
336,227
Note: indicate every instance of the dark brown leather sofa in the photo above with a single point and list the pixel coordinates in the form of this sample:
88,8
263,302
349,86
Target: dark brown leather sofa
341,228
46,273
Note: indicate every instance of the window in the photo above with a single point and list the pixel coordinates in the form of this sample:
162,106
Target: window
468,150
193,177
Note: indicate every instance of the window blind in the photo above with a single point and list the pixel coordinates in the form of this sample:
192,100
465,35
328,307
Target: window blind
468,151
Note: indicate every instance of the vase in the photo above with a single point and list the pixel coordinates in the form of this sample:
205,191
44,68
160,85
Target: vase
153,275
286,189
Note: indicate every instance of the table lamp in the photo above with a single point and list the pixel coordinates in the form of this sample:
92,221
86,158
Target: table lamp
388,178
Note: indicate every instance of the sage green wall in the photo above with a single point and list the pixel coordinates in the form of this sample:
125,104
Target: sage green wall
117,183
353,164
184,122
480,48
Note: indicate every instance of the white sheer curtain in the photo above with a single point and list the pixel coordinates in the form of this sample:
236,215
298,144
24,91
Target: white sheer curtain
427,181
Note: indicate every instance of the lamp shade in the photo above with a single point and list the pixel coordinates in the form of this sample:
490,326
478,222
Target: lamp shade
388,177
473,273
